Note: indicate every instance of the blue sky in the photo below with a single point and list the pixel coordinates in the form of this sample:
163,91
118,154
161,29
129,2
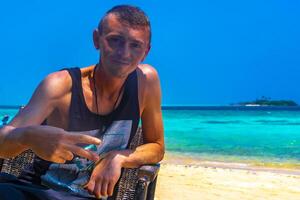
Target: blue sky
206,52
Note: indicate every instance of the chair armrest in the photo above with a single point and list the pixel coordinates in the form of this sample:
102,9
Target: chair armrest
1,162
148,172
147,177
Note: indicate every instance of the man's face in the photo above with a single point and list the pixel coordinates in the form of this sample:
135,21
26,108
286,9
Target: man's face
122,47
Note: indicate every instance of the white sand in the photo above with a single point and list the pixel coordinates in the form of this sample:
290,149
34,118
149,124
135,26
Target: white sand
215,181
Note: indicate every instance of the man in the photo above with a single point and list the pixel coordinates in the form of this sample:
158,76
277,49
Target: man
109,96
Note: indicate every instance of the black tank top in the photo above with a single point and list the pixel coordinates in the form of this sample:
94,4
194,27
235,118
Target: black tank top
82,119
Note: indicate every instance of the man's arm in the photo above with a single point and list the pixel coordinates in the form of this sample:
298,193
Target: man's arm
50,143
107,172
39,107
152,126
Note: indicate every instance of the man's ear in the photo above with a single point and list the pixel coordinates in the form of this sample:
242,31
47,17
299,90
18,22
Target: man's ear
146,53
96,38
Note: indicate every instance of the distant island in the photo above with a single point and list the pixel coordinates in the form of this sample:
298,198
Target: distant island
265,101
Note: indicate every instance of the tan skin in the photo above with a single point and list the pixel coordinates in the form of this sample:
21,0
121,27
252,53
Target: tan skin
122,49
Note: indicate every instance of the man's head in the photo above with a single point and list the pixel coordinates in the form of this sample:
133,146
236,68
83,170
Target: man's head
123,37
131,16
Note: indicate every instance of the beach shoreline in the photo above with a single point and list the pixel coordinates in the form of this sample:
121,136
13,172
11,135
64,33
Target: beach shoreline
192,160
190,178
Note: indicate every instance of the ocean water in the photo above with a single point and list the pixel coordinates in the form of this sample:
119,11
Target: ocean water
262,136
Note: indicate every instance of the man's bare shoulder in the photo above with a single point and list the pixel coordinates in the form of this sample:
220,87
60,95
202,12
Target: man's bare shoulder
149,85
57,84
47,96
148,74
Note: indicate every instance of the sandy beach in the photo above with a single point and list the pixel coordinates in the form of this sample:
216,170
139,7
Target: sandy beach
187,178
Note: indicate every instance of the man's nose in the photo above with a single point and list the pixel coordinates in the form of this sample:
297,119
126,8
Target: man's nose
124,50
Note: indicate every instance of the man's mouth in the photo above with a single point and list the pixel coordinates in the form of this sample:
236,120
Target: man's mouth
122,62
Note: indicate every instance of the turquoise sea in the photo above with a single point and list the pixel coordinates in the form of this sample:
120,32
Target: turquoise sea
268,136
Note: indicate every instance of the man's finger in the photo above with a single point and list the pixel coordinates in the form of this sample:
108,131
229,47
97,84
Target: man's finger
59,160
110,189
97,189
104,188
82,152
90,186
67,155
83,139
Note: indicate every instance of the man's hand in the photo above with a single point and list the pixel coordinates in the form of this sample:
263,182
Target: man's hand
56,145
105,176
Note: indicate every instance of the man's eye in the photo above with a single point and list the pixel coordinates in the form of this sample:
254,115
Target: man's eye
114,40
136,45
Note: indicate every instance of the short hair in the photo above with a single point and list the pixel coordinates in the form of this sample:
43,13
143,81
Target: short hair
130,15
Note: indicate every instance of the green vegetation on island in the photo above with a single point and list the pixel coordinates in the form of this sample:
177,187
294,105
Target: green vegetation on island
265,101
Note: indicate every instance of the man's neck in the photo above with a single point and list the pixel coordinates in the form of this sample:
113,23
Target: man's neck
107,85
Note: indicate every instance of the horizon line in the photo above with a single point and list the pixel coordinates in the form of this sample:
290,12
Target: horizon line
171,106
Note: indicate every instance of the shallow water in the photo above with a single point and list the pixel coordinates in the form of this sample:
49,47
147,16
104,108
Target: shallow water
257,136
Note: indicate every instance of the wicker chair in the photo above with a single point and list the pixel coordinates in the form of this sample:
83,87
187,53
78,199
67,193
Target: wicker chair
135,184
